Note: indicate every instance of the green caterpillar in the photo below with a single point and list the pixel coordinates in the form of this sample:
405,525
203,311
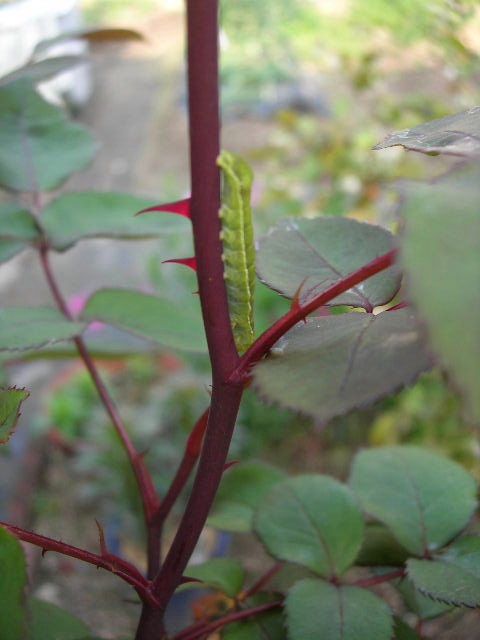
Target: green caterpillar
238,245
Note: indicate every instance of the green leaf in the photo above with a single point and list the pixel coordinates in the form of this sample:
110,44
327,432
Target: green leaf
10,402
380,548
314,254
18,229
403,631
269,625
331,365
49,622
42,70
454,578
311,520
24,328
317,610
79,216
424,498
39,147
441,249
171,323
457,135
224,574
13,578
422,606
242,488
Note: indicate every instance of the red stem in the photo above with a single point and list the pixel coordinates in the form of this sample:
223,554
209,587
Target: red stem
266,341
262,581
203,629
202,35
385,577
114,564
190,457
147,489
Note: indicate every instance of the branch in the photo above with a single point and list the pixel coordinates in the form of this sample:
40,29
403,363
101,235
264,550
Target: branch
204,131
202,36
385,577
144,480
190,457
265,342
203,629
110,562
262,581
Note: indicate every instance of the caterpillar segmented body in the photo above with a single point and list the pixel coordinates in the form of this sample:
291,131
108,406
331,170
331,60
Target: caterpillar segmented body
238,245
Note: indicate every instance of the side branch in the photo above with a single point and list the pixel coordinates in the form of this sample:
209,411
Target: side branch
112,563
202,630
185,468
147,489
265,342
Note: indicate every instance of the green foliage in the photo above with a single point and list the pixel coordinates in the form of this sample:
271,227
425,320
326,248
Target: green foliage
422,606
313,521
390,346
403,631
306,257
380,548
34,155
10,403
164,321
317,609
13,579
224,574
242,489
440,253
79,216
452,578
41,70
31,328
17,230
429,414
456,135
423,498
267,625
49,622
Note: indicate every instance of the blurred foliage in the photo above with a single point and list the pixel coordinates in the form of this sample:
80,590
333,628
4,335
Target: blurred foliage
328,79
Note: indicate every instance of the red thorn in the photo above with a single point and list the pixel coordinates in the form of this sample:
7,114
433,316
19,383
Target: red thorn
187,262
227,465
296,306
180,207
101,538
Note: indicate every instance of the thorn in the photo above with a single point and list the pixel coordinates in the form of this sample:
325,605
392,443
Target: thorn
296,306
227,465
180,207
101,538
187,262
44,552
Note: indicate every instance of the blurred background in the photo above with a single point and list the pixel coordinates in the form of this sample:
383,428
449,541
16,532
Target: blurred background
308,87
